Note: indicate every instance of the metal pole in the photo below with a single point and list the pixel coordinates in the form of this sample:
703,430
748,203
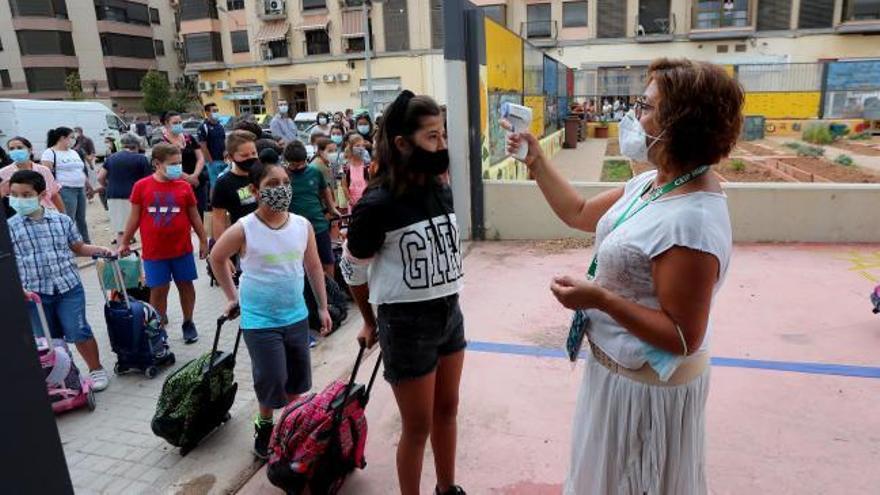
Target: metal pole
367,48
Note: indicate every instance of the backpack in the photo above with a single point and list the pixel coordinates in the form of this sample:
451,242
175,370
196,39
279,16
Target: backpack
337,304
348,173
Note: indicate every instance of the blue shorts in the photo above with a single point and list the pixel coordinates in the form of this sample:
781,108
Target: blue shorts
215,169
160,272
65,315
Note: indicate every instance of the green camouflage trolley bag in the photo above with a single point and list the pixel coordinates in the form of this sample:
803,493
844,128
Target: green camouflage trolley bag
196,399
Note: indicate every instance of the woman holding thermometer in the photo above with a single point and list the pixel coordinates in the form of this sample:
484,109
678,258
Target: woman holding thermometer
663,244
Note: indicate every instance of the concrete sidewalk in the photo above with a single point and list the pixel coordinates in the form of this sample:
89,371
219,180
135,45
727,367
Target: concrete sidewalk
795,379
583,164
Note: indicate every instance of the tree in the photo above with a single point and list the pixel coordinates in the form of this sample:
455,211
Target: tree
157,93
73,84
185,94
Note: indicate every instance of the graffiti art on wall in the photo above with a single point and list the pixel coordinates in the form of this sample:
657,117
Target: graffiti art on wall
497,135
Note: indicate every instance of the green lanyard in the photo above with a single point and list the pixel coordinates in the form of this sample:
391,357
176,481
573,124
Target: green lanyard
656,194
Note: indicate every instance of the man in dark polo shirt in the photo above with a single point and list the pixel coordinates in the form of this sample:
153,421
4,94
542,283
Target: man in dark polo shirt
212,137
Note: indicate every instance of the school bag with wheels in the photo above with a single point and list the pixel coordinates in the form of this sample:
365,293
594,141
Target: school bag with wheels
132,275
337,304
137,335
68,389
321,438
196,399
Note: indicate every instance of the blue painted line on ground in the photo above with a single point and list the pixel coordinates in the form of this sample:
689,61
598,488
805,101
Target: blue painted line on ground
757,364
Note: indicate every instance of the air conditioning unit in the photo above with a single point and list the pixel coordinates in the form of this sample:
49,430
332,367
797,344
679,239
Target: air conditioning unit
273,7
205,87
221,85
343,77
329,78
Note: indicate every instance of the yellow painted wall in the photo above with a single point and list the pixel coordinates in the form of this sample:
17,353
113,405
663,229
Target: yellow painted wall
504,58
803,105
536,103
591,129
511,169
233,77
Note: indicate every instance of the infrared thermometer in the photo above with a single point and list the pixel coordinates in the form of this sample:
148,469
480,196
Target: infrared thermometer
520,119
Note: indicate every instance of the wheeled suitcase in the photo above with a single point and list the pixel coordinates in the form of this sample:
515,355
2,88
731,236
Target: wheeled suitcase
321,438
196,399
68,388
132,274
136,332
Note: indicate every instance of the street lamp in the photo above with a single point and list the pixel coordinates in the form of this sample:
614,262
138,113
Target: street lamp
367,55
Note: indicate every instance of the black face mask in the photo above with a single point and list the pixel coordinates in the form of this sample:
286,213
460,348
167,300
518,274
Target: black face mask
246,165
431,163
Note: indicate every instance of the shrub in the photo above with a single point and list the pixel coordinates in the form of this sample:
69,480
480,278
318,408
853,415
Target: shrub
861,136
811,151
616,171
818,134
793,145
738,165
844,160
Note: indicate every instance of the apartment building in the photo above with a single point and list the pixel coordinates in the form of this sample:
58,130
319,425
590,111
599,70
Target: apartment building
774,46
110,43
248,54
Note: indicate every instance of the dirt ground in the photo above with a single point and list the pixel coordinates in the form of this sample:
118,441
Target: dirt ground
613,148
833,171
752,148
751,173
856,147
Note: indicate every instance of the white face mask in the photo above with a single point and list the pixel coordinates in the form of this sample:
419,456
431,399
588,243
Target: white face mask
633,138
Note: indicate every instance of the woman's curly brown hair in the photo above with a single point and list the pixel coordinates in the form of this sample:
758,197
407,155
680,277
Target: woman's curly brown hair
700,109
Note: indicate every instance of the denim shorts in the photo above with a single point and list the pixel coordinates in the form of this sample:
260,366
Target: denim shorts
65,315
325,248
280,362
161,272
414,336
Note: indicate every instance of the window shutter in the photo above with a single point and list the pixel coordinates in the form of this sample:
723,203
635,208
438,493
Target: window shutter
774,15
396,26
611,19
436,24
816,14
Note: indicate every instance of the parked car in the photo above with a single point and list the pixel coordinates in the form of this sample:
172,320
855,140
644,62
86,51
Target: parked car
304,122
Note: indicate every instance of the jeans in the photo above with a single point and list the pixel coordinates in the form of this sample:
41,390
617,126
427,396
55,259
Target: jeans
65,315
74,199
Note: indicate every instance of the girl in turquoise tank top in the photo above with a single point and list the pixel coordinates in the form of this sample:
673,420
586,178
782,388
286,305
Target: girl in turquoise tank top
277,251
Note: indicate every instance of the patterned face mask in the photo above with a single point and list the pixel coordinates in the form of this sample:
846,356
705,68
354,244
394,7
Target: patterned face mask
277,198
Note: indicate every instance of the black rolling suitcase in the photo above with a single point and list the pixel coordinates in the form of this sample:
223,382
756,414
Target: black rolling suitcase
196,399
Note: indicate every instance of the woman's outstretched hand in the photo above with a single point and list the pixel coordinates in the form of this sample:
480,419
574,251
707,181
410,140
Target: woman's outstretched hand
577,293
516,139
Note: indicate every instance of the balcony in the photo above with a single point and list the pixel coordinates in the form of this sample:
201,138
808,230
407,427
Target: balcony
271,10
656,29
540,33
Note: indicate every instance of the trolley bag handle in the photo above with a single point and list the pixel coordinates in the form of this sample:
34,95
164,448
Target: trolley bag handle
220,321
337,417
113,262
44,324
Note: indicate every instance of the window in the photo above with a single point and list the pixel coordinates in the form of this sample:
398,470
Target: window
234,4
497,13
203,47
385,91
122,11
816,14
314,4
125,79
317,42
47,78
574,14
239,41
40,8
45,43
654,17
396,26
611,19
5,82
861,10
198,9
356,45
123,45
436,24
252,107
154,16
538,21
159,48
277,49
716,14
774,15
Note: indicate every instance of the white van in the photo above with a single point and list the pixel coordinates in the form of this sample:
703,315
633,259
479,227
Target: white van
32,119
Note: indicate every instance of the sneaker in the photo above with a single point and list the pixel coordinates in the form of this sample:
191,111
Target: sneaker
453,490
100,379
313,342
262,436
190,335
